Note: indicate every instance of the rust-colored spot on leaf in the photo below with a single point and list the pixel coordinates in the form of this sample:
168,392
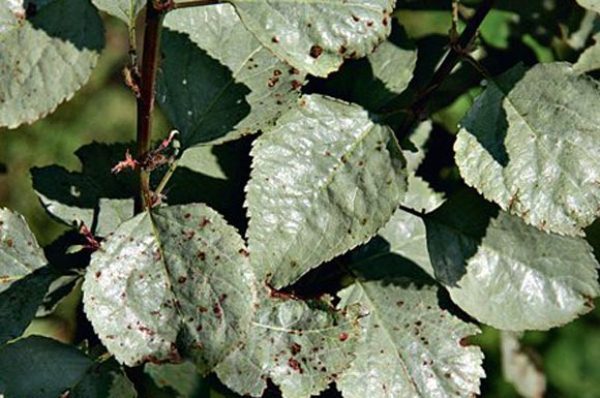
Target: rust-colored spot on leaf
316,51
292,363
295,348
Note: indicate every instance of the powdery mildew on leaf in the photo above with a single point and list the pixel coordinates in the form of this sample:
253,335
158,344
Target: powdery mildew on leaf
410,347
324,180
589,60
593,5
317,36
406,232
533,148
20,253
198,103
525,279
173,282
46,59
393,65
302,346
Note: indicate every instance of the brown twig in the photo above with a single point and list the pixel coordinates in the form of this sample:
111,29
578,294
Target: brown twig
418,108
146,99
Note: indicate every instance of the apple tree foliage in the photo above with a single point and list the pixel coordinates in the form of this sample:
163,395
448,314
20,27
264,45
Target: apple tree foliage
341,268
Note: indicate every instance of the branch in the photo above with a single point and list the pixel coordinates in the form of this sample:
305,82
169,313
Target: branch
196,3
145,101
452,58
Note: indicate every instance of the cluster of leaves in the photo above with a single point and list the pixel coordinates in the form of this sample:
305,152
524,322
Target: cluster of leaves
353,270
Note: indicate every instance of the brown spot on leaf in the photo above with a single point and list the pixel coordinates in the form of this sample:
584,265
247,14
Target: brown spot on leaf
316,51
292,363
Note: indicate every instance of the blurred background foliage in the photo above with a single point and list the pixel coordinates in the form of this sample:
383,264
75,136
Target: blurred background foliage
516,31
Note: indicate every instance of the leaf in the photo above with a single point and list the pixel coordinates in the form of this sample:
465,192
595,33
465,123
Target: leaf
20,302
39,367
410,346
406,232
104,380
56,368
20,253
217,81
316,37
533,148
168,282
589,60
181,378
374,81
102,200
519,368
45,58
300,345
74,197
417,139
593,5
505,273
324,180
126,10
394,65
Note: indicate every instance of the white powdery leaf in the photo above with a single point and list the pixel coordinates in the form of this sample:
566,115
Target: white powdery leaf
251,90
324,180
173,281
317,36
45,59
20,253
410,347
302,346
531,145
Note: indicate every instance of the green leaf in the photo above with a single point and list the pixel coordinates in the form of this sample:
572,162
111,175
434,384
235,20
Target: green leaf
182,378
102,200
530,144
38,367
20,302
519,368
300,345
46,58
410,347
173,281
324,180
217,81
73,197
316,37
104,380
20,253
126,10
508,274
589,60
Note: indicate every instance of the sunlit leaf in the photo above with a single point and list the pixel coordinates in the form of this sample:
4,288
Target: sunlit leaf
45,57
410,347
168,283
316,37
324,180
530,144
